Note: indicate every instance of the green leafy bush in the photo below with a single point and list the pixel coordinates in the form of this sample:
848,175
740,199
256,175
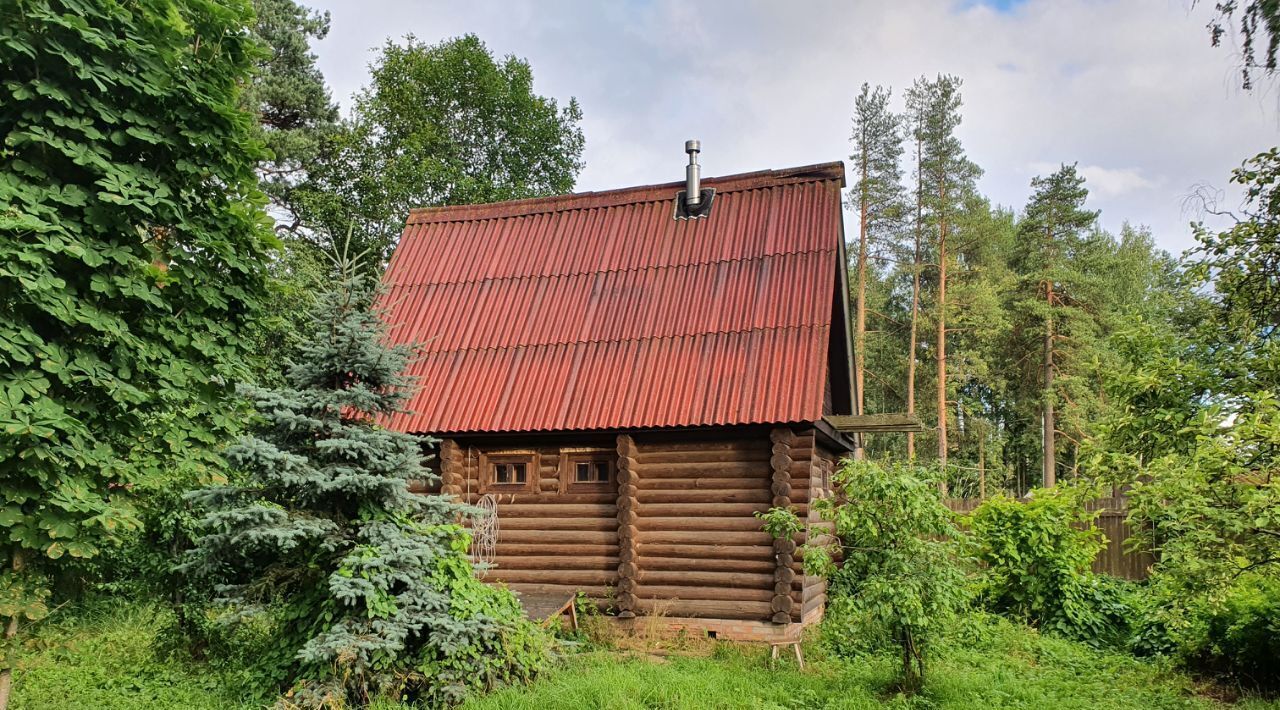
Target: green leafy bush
899,581
780,523
1036,558
132,252
1240,638
1235,635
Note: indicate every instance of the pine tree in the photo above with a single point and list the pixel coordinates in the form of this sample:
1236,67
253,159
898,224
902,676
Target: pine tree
296,116
1050,235
369,583
945,179
915,115
877,195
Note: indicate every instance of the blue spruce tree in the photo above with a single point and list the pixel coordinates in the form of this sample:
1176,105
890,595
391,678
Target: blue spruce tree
368,585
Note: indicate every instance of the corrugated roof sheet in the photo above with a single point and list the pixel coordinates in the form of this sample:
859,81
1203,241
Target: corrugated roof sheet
601,311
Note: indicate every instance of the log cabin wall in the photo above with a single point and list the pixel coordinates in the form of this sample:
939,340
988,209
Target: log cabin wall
814,588
701,551
550,539
675,534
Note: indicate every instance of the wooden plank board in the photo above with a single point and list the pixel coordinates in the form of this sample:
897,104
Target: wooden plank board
872,423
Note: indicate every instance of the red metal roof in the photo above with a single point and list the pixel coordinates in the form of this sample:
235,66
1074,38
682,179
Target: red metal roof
602,311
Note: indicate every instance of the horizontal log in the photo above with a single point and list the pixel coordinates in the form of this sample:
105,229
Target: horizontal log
705,609
813,590
706,579
706,552
708,444
724,510
525,498
673,592
580,562
700,496
754,454
722,524
696,564
552,509
563,537
702,483
556,549
554,576
705,470
598,591
674,537
557,524
814,602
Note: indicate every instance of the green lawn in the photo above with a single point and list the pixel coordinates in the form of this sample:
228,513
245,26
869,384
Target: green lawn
102,657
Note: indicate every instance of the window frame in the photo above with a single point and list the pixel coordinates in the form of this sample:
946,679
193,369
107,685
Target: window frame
488,484
569,460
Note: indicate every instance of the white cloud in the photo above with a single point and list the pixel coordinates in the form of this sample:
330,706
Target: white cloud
1114,182
1131,91
1103,181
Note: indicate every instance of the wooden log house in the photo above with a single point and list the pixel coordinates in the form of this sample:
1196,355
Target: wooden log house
630,378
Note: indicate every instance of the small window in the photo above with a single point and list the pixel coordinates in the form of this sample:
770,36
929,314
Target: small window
509,471
591,472
587,469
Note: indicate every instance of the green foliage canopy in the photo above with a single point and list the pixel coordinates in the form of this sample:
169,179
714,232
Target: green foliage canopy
131,246
440,124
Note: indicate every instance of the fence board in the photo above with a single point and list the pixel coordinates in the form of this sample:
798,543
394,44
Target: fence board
1114,559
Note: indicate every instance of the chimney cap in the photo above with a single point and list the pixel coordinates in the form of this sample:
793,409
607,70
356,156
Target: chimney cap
693,146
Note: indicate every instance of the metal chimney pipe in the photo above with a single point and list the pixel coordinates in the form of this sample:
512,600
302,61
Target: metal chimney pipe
692,175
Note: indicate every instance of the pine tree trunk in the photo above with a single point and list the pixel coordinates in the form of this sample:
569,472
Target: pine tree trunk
860,323
1049,476
860,320
941,350
915,307
10,631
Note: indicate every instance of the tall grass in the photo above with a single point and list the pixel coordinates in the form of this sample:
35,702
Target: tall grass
102,656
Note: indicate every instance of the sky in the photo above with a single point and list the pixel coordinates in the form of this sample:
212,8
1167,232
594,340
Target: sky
1128,89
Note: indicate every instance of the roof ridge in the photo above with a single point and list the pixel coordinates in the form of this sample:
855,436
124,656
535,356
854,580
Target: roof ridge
759,179
587,272
807,326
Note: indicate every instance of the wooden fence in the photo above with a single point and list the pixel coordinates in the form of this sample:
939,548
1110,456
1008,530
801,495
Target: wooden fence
1114,559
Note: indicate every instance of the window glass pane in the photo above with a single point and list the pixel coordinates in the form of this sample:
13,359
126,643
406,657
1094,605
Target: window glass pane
582,472
602,471
502,473
519,476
